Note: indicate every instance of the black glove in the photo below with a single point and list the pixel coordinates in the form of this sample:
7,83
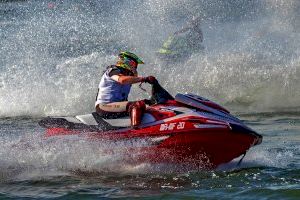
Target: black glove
150,79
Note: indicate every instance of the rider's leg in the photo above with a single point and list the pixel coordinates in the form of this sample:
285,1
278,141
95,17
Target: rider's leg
136,110
120,109
112,110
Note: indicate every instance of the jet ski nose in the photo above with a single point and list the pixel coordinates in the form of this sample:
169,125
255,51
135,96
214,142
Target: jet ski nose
259,139
236,128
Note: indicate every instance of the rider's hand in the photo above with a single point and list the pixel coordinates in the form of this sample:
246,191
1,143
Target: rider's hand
149,79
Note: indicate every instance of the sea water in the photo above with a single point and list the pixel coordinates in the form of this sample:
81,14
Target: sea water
53,54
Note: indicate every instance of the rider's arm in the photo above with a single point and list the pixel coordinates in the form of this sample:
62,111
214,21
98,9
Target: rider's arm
127,79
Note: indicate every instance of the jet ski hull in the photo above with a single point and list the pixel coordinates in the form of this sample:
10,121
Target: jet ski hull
178,141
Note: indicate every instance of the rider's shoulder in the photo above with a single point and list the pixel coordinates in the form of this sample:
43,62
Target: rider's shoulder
113,70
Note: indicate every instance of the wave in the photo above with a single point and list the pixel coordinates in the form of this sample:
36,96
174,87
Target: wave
54,53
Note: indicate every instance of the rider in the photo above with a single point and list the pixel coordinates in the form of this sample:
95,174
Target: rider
114,87
183,42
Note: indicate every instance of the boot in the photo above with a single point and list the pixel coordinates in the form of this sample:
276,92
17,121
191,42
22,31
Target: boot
136,110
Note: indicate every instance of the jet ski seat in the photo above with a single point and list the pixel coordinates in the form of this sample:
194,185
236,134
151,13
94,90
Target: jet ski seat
125,121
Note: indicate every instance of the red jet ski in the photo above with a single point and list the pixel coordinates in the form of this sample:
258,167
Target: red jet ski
185,129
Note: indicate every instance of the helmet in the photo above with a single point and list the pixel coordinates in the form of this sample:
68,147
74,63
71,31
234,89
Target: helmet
128,60
127,54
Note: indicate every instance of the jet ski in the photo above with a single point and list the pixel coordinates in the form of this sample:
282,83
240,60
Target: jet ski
185,129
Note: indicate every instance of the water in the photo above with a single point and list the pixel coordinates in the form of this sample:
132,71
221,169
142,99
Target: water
34,167
52,54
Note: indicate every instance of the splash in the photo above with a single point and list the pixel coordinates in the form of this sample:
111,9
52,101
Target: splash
33,155
53,55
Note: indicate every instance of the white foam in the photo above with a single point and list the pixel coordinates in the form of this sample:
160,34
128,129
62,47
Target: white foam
52,59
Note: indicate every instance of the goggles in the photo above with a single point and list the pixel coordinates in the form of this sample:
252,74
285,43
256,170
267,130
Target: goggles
130,62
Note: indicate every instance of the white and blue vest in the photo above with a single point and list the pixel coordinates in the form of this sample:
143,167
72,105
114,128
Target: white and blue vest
111,90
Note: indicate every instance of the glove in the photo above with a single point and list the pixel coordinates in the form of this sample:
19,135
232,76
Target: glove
150,79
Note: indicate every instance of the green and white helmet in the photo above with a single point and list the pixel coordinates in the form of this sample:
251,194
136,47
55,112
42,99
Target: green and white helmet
127,54
129,61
